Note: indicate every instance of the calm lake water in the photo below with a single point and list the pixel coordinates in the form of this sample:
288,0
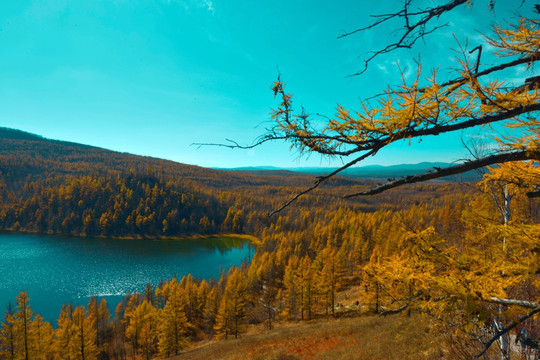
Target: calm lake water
57,270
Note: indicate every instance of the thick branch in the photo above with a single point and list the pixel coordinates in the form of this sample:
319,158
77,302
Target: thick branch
433,130
376,144
451,170
489,119
409,298
517,302
367,145
500,333
394,311
525,60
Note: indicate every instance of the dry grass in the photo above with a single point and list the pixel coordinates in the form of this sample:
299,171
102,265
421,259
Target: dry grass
368,337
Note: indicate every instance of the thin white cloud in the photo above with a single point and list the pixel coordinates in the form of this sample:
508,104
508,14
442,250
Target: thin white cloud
208,4
383,68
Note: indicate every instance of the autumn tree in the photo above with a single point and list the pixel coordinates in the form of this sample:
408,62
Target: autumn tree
307,288
7,334
83,346
173,323
132,319
290,295
43,337
23,327
143,325
102,318
231,316
439,277
63,334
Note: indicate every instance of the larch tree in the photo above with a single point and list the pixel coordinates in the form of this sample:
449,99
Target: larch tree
289,295
83,346
102,318
23,327
231,316
307,291
7,334
473,280
173,323
211,310
132,320
43,336
64,335
143,324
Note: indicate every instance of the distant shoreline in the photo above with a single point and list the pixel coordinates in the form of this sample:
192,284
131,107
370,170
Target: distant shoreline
250,238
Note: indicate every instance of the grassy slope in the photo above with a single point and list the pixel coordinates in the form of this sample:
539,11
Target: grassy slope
368,337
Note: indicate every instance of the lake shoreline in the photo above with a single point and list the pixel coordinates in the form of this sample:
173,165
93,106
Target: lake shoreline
57,270
252,239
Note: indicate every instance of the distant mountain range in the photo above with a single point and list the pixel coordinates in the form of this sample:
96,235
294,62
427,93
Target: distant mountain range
362,172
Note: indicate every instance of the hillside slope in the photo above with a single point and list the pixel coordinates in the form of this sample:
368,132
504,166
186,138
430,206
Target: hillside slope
62,187
368,337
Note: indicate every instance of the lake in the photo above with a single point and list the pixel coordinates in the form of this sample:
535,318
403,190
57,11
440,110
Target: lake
57,270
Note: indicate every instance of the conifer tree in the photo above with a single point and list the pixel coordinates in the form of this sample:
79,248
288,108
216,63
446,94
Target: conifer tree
7,334
83,346
232,312
289,295
211,310
132,323
143,325
23,327
307,286
43,335
64,334
173,323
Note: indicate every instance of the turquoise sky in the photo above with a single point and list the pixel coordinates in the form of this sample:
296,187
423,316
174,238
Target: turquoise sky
150,77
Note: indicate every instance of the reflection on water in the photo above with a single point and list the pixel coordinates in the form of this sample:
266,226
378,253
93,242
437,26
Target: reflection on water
57,270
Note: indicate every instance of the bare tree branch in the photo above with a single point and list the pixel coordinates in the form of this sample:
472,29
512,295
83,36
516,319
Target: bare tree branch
458,81
414,27
322,179
380,142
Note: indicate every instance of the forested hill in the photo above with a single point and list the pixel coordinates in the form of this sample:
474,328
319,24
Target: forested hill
61,187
